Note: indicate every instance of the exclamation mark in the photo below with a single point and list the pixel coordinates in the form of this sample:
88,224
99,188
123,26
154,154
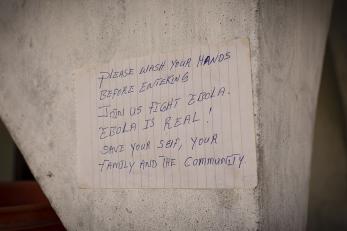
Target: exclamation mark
209,112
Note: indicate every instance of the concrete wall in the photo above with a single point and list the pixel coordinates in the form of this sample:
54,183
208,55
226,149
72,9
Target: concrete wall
292,38
43,42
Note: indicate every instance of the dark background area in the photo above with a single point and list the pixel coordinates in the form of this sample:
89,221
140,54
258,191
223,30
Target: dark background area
12,164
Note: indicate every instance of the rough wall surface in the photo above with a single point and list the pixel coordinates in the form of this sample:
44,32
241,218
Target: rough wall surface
43,42
292,38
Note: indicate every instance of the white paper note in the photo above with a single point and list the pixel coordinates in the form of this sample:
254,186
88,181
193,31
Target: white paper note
182,119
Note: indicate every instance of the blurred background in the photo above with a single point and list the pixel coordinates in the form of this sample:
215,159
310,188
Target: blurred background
328,185
12,164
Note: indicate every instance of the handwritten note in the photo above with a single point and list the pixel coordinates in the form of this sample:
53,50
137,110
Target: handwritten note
177,120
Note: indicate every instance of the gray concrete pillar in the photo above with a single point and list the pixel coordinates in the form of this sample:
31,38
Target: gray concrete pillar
43,42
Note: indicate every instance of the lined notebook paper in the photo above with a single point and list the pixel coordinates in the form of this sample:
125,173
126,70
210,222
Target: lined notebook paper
182,119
